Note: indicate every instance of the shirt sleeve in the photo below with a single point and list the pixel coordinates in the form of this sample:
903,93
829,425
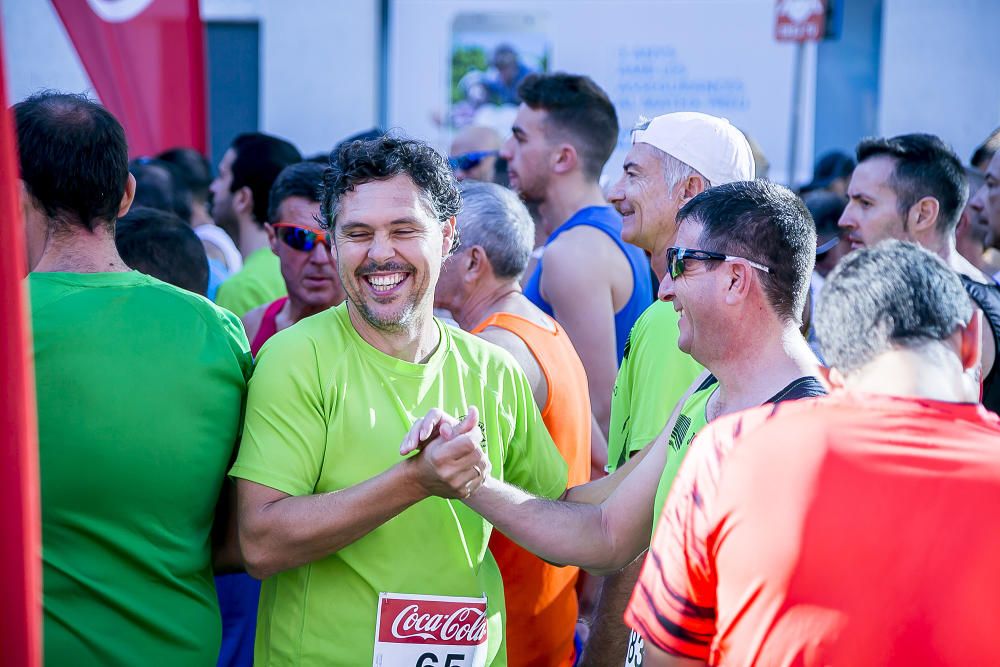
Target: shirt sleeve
657,374
673,605
532,461
285,431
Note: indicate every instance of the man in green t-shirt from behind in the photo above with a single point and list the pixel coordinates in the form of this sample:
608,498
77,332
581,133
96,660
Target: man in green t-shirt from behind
369,557
140,389
673,158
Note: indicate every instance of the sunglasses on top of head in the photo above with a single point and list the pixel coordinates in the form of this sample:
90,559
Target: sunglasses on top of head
467,161
299,237
677,256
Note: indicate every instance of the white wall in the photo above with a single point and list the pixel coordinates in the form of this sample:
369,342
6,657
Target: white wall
940,70
319,70
719,42
38,52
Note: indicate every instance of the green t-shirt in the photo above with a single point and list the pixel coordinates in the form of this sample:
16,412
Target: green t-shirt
653,377
257,283
327,411
140,389
691,419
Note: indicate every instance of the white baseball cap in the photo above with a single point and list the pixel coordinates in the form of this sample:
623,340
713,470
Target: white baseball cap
710,144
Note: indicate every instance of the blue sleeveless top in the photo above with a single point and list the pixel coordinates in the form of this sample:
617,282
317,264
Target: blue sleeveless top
607,220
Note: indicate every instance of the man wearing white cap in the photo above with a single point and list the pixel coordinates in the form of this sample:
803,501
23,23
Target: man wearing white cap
673,158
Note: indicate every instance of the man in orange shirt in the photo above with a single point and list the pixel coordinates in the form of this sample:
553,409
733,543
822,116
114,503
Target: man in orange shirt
854,529
480,286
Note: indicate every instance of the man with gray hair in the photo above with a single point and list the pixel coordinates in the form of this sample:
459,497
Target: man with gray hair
480,286
673,158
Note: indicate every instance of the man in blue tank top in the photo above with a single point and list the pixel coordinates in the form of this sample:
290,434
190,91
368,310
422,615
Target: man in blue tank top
588,279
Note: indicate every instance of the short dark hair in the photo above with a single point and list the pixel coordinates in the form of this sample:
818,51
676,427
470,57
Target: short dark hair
578,107
924,167
159,184
193,168
894,294
985,151
258,161
160,244
74,158
380,159
764,222
303,179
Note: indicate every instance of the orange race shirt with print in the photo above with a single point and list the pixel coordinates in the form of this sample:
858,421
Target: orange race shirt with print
541,598
846,530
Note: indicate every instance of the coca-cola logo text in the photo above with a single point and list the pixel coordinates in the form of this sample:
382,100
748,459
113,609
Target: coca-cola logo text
433,622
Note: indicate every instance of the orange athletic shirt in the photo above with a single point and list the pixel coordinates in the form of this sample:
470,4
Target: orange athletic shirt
847,530
541,598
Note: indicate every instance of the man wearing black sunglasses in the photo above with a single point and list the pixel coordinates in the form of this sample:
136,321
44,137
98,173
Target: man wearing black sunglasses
738,276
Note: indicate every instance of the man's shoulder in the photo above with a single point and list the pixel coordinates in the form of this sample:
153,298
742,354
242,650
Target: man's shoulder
322,331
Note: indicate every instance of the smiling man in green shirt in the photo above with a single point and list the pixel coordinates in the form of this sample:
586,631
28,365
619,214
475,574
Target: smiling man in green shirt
360,563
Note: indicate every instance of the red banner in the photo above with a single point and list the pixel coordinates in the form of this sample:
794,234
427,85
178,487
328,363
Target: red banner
20,534
146,59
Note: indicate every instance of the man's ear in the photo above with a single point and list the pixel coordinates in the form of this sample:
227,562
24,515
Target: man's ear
923,216
243,201
970,349
478,264
691,187
565,159
738,277
126,202
830,377
272,237
449,230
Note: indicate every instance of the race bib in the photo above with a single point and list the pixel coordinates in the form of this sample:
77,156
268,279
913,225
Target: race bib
430,631
635,648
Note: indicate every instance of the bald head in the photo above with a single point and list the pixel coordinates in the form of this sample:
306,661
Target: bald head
466,144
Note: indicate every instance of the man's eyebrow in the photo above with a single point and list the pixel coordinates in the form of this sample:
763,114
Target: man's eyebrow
355,224
631,165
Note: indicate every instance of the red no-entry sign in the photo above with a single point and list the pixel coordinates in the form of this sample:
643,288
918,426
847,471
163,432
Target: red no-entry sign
800,20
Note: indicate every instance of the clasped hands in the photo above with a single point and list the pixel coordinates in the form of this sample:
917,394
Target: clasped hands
451,462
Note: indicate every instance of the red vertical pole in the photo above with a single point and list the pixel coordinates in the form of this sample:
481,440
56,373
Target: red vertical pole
20,532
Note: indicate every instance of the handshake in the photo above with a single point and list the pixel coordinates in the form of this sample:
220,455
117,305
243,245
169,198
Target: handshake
451,462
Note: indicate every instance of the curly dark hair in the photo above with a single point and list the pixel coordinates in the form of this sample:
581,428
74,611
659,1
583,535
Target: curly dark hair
357,162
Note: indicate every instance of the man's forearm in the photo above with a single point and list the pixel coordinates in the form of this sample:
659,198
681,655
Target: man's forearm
609,636
556,531
296,530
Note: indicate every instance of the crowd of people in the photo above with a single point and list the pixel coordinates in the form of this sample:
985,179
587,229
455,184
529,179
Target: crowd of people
386,406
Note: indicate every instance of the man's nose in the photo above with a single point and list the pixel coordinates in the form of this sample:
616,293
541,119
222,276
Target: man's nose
666,291
506,151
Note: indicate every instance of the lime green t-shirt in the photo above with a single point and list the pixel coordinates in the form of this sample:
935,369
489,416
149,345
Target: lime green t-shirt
653,377
257,283
140,389
326,411
691,419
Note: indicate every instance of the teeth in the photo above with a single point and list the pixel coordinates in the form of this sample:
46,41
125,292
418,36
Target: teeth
386,282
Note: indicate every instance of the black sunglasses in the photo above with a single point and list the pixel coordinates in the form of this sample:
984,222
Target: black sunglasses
467,161
301,238
677,256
